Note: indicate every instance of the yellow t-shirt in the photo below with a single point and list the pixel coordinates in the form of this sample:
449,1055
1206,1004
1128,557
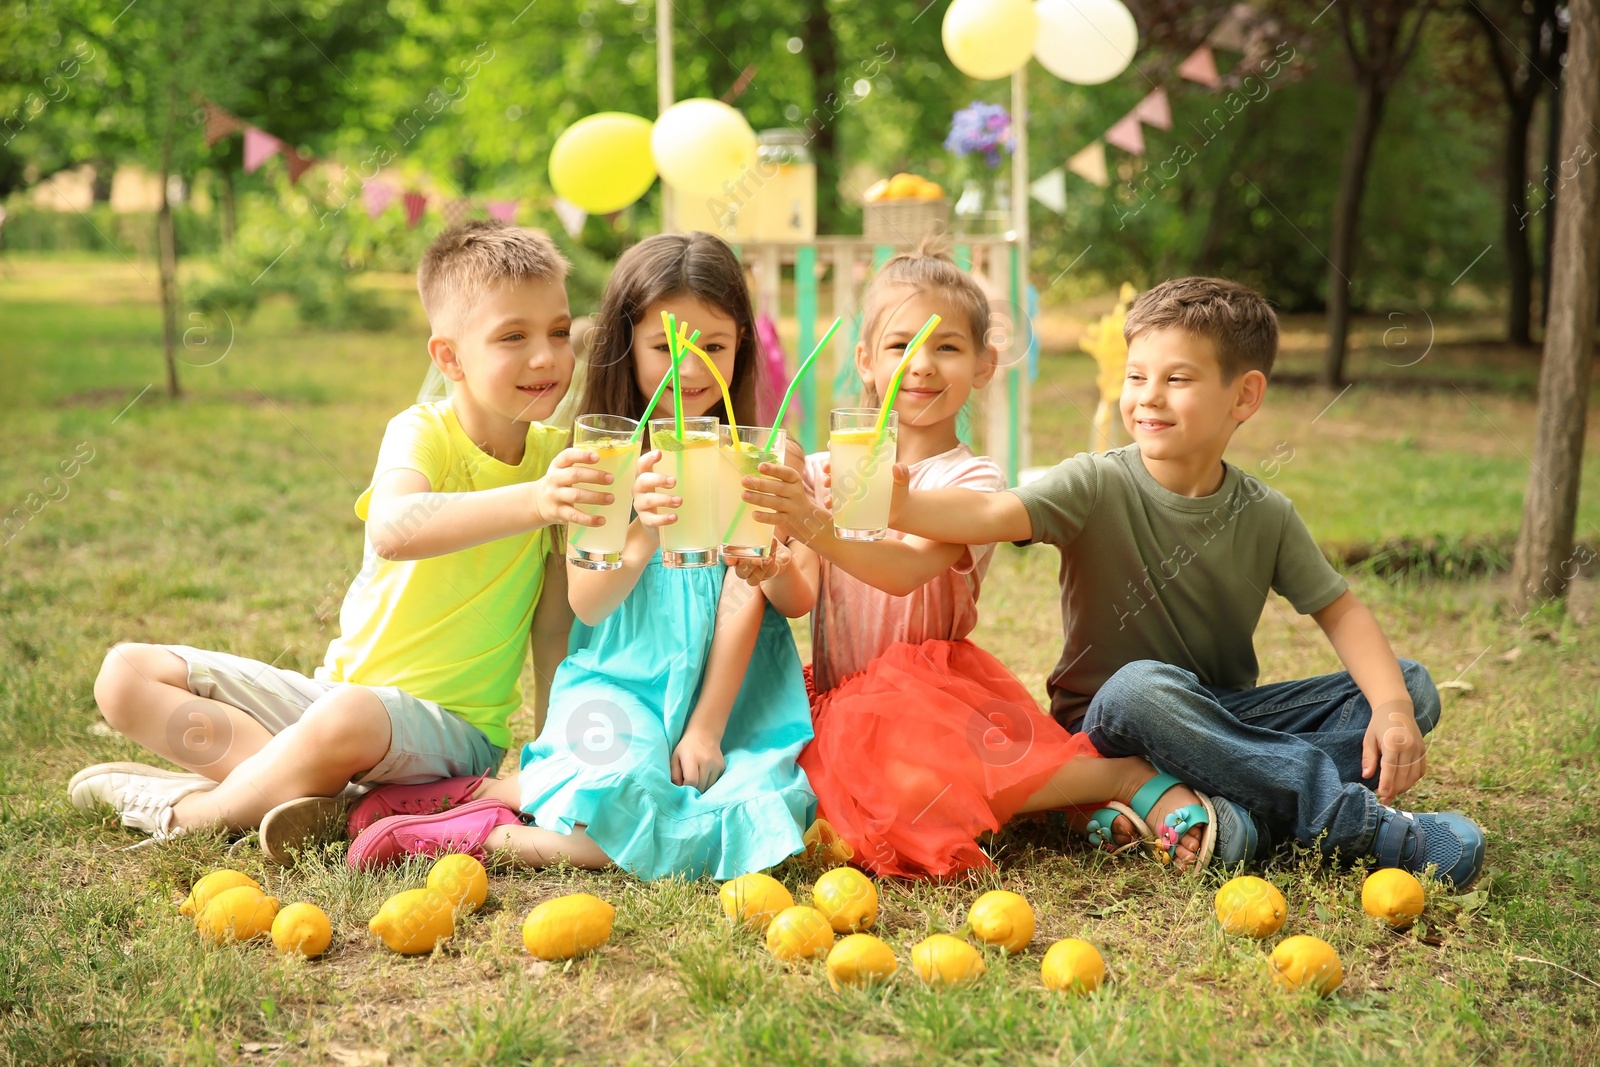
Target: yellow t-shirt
452,629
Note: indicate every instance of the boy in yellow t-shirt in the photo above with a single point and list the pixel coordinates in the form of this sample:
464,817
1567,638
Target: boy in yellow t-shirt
434,631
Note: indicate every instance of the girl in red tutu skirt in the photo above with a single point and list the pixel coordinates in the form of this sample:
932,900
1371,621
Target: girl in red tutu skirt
924,741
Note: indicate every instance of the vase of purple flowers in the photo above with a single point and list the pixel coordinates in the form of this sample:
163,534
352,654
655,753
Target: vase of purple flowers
982,130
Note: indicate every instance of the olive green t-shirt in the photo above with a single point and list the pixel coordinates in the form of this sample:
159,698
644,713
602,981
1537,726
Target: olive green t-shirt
1149,574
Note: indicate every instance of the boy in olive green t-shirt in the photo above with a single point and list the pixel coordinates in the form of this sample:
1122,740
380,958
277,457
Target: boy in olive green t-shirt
424,675
1167,556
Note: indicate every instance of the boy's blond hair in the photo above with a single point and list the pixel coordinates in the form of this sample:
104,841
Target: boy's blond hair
1236,319
467,259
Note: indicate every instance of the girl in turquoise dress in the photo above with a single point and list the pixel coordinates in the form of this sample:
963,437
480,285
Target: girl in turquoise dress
677,716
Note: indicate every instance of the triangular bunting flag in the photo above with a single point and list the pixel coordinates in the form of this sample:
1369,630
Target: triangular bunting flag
1201,66
298,164
219,124
1089,163
259,146
377,196
414,203
571,215
456,211
1230,32
1154,110
1127,134
504,210
1051,190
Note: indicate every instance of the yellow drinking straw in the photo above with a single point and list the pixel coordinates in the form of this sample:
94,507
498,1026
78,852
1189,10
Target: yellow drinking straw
727,399
900,372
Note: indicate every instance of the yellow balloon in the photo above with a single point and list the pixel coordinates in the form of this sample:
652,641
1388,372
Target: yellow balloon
700,145
602,163
989,39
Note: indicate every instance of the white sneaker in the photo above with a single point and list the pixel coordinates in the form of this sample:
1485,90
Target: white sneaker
143,796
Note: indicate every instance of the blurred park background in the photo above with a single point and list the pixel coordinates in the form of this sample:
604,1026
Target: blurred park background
212,213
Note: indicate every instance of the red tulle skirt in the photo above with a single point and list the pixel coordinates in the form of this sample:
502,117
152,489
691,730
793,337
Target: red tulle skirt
925,750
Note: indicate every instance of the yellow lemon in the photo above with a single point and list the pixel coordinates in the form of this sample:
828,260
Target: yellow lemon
860,959
413,922
1305,962
1393,895
799,933
945,960
568,926
237,914
1251,907
753,899
847,899
1073,965
210,886
902,187
302,928
823,843
1002,919
876,191
930,191
462,879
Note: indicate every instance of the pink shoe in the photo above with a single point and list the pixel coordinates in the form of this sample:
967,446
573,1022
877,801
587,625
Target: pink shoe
424,799
463,829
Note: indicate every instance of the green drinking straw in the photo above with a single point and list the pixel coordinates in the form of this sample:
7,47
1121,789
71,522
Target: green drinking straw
900,372
644,420
676,351
805,365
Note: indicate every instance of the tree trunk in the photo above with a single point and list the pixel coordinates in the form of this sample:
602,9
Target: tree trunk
822,55
167,239
228,212
1346,224
1544,562
1519,257
1552,162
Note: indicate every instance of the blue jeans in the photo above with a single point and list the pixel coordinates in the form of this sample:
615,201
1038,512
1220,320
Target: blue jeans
1289,752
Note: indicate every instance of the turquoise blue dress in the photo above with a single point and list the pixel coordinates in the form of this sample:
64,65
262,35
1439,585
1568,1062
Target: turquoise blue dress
618,706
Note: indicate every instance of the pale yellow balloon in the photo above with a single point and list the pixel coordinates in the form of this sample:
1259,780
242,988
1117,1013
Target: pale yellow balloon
603,163
988,39
700,145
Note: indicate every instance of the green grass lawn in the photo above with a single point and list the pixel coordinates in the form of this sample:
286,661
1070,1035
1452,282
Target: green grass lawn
226,521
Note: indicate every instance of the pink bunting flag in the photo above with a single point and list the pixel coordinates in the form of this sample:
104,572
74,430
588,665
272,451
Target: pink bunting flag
1154,110
377,196
1201,66
456,211
219,123
1089,163
259,146
414,203
1127,134
504,210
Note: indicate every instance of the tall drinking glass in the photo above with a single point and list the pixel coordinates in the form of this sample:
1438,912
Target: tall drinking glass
861,466
599,548
692,541
741,452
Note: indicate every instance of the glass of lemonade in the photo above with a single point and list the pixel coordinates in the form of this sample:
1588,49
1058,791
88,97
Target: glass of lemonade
599,548
861,472
692,541
741,452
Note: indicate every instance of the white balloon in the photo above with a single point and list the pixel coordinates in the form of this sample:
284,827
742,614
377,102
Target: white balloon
1085,42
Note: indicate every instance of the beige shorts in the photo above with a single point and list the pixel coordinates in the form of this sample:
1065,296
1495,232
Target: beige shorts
427,742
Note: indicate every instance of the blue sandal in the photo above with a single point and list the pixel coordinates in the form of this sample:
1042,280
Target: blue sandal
1162,844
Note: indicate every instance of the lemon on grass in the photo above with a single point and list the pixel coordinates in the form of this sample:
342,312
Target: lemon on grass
1073,965
414,921
567,926
1002,919
462,879
860,960
1248,906
1393,895
237,914
799,933
302,929
1306,962
753,899
847,899
943,960
210,886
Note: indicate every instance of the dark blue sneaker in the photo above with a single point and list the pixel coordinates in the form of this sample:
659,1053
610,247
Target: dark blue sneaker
1238,840
1448,841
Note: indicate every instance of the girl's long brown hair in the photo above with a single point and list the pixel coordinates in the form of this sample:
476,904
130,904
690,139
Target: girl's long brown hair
697,264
